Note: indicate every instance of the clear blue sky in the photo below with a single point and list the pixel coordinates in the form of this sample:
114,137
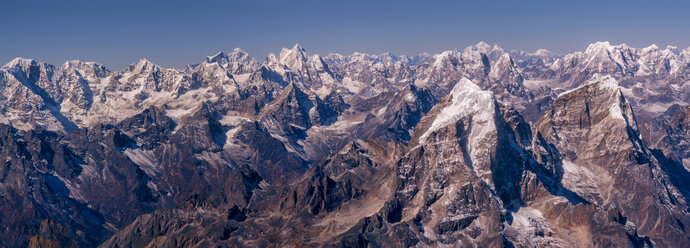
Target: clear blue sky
176,33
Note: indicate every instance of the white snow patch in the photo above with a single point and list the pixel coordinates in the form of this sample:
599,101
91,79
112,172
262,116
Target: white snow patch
660,107
438,62
616,112
241,78
578,178
177,114
534,84
525,218
381,110
352,85
607,82
232,120
322,92
409,97
144,158
74,191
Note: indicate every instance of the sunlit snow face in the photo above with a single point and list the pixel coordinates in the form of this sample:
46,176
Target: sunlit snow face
467,99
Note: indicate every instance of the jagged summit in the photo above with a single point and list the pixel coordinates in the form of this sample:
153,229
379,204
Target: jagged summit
465,99
293,57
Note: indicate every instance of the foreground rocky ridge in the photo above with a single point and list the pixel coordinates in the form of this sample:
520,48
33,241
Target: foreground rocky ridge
360,150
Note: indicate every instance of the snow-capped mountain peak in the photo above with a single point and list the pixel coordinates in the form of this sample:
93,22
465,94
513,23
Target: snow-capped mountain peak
441,60
17,61
294,57
141,66
465,99
25,63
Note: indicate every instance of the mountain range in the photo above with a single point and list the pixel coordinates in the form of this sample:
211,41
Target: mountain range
475,147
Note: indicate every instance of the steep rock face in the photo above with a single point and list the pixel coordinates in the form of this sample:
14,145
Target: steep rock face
672,150
149,129
677,131
293,113
293,107
399,116
606,162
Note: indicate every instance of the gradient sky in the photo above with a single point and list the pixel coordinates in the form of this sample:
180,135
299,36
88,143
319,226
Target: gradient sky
176,33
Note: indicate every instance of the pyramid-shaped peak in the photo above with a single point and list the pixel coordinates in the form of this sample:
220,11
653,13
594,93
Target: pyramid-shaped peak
294,58
465,87
296,50
141,65
298,47
466,99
